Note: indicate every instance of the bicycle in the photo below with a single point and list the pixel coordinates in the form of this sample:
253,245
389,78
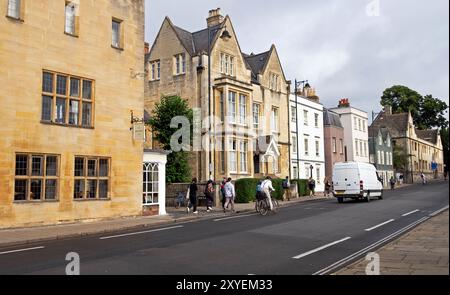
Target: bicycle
263,206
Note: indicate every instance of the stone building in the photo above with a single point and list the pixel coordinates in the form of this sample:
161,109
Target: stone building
246,94
333,141
70,80
381,153
423,148
356,136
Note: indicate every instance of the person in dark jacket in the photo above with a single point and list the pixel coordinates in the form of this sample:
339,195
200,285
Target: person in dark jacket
222,190
193,196
209,194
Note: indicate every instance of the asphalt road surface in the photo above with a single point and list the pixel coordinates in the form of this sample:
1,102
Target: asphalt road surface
309,238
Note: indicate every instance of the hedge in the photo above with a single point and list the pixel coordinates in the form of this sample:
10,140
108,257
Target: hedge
246,189
302,186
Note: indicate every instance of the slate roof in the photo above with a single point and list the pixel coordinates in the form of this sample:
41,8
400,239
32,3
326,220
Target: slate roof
331,118
394,122
428,135
197,42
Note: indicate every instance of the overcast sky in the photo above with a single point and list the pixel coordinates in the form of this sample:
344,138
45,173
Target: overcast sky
345,48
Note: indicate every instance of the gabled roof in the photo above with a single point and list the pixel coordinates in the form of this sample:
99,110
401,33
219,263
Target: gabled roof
186,39
256,63
397,121
374,131
331,118
428,135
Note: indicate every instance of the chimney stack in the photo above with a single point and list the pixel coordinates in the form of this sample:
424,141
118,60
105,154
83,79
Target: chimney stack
214,18
388,110
146,47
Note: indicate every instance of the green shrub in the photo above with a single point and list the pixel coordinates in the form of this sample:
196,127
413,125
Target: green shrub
302,187
278,186
246,190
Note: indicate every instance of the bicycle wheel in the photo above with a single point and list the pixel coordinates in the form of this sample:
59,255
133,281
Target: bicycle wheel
264,208
257,206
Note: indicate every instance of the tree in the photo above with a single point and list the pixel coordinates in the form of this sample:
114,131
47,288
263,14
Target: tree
400,158
428,112
177,168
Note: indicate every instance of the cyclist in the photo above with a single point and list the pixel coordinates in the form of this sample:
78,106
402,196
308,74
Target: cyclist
267,189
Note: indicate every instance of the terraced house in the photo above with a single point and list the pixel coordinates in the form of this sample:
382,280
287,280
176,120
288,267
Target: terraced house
247,94
66,94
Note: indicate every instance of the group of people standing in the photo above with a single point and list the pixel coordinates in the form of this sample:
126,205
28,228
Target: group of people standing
227,191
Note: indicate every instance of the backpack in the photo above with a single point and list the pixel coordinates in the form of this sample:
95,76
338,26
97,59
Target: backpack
285,184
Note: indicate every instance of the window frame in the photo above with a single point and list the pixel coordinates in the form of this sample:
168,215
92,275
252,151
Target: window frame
154,169
293,114
86,178
18,8
243,156
227,64
155,70
74,23
120,34
179,64
68,98
256,114
275,120
43,177
232,150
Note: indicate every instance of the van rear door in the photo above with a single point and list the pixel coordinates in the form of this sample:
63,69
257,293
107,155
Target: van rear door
346,180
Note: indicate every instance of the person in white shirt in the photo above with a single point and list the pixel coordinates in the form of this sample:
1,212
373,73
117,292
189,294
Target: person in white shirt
267,189
230,195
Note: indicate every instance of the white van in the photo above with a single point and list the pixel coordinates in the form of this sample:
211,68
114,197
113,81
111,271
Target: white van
354,180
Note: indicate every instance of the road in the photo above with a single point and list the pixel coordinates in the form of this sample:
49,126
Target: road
309,238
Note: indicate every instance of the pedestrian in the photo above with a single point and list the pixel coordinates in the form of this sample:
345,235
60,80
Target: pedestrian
193,196
424,178
392,182
286,189
445,174
312,187
209,194
180,200
267,189
327,187
230,195
222,191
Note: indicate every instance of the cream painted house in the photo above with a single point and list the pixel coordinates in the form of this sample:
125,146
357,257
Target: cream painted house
247,94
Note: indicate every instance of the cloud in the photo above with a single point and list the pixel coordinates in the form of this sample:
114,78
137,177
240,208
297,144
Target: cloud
342,50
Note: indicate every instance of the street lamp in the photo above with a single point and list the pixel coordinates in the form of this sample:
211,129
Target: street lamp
304,85
225,36
311,167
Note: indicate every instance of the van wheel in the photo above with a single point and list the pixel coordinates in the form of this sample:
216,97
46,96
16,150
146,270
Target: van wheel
340,200
381,196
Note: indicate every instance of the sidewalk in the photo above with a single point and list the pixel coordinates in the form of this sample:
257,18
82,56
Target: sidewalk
21,236
423,251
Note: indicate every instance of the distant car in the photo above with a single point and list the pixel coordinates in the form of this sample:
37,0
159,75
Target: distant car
353,180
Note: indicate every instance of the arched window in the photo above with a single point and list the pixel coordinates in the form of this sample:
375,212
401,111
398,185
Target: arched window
151,184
